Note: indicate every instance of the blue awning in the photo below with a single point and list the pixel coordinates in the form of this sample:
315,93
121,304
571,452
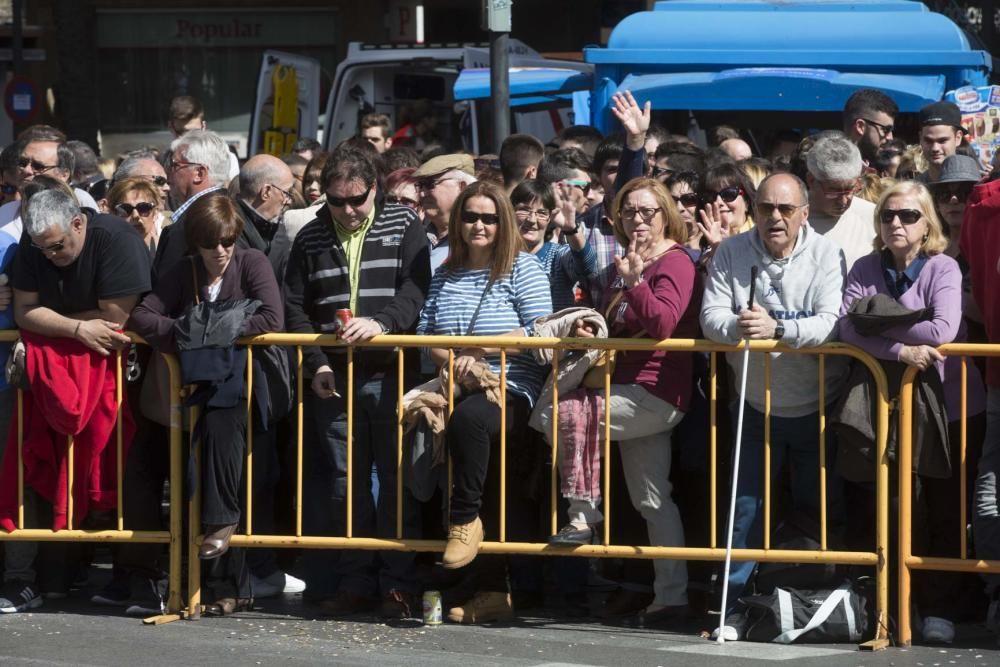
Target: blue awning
528,85
777,88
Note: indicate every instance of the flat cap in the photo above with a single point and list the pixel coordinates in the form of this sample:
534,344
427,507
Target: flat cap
445,163
941,113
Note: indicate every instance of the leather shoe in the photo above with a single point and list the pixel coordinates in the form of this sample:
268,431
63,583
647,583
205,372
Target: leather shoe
625,603
673,617
216,541
570,535
345,603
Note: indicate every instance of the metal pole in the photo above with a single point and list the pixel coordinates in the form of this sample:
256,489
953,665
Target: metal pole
499,88
17,36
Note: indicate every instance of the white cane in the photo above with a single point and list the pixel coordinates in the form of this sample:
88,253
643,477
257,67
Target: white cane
736,471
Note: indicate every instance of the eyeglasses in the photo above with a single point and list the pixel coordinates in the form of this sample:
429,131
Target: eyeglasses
144,209
177,165
943,194
525,213
402,201
158,181
907,216
225,243
583,185
428,184
687,200
353,202
646,213
661,171
766,209
52,249
471,218
883,130
285,193
36,166
727,195
837,194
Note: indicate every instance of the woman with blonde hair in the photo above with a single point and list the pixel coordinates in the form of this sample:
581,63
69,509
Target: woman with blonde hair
909,265
138,201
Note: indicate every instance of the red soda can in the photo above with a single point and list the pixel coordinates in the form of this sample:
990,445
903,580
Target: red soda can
344,315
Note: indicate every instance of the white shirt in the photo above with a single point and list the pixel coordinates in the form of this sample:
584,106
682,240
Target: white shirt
853,232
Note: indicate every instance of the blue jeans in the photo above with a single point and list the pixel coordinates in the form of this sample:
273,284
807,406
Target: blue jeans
794,440
324,511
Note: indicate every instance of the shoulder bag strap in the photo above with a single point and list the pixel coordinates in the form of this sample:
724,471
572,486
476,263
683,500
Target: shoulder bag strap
194,282
475,313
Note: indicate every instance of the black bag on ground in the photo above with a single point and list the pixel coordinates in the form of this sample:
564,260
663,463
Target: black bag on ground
807,617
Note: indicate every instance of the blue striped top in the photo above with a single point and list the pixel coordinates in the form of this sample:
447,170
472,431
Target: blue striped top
515,300
565,268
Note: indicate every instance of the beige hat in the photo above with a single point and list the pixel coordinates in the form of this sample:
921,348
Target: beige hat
445,163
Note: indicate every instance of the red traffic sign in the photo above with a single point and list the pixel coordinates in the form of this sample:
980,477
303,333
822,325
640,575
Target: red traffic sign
20,100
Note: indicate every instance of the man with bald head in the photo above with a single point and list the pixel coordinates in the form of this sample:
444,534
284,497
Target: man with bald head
147,168
265,192
737,149
797,294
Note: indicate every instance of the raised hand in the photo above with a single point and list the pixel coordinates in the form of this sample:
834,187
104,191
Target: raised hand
634,119
630,266
712,226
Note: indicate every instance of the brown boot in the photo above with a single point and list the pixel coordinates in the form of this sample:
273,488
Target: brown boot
484,607
463,544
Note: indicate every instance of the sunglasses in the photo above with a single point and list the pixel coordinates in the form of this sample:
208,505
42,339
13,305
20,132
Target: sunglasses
646,213
766,210
907,216
353,202
52,249
158,181
661,171
36,166
225,243
943,194
727,195
402,201
144,208
583,185
687,200
883,130
471,218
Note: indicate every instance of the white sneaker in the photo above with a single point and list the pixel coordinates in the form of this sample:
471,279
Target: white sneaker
293,584
729,633
275,584
938,630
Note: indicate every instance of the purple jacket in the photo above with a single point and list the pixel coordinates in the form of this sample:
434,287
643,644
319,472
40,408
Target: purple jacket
939,287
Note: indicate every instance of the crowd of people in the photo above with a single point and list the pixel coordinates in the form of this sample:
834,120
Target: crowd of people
846,235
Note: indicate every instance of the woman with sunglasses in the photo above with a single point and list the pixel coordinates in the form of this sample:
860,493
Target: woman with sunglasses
654,292
488,287
683,188
216,271
909,265
138,201
726,196
537,209
401,188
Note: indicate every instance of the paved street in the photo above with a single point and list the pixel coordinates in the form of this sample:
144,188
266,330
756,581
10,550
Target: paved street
283,632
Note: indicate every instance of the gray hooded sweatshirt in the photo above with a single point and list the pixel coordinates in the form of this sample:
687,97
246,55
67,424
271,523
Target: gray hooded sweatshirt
803,291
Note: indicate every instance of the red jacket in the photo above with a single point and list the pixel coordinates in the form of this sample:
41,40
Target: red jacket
980,244
72,393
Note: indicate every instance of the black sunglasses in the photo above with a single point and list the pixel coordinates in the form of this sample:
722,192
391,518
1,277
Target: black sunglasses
727,195
883,129
471,218
225,243
353,202
766,209
158,181
687,200
944,193
907,216
36,166
144,208
656,172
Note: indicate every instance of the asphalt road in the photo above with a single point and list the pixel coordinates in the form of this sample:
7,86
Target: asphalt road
285,632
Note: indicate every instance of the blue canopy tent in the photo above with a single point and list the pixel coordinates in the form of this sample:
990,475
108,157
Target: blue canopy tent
803,56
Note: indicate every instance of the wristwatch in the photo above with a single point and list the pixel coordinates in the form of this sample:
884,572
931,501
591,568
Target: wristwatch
572,232
779,331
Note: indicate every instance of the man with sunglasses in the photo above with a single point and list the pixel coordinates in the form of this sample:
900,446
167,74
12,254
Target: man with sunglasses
77,275
869,116
265,193
372,258
198,167
834,171
144,167
439,182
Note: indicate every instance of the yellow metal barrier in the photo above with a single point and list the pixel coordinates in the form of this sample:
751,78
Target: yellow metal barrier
907,559
875,558
173,536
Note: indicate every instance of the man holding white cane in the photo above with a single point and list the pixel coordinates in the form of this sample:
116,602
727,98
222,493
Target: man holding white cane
798,287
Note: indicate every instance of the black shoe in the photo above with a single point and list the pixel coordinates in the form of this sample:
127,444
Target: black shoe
570,535
674,617
18,596
147,596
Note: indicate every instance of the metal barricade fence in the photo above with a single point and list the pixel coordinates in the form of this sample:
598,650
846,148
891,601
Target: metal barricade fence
909,561
172,537
875,558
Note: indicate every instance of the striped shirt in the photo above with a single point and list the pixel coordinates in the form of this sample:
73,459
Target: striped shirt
565,268
513,301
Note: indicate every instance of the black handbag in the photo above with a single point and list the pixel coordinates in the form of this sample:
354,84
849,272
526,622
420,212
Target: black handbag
790,616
